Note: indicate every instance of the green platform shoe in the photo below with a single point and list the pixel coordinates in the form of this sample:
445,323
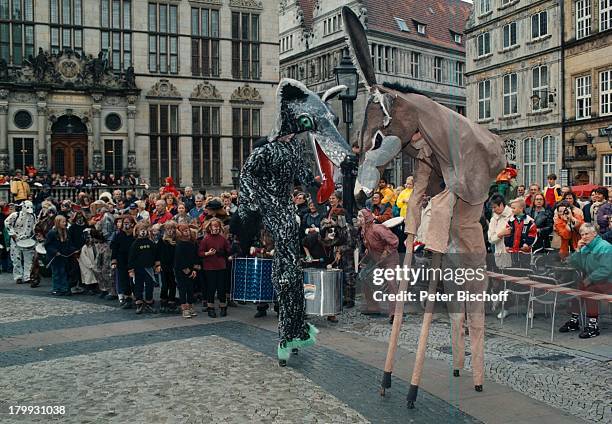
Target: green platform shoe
283,354
311,340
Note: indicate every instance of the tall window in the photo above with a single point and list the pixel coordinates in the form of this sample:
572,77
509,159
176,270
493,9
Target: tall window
16,30
510,94
204,42
245,46
484,99
415,64
245,128
116,35
509,35
383,58
163,38
23,152
206,141
530,161
113,156
485,6
583,18
539,25
549,157
605,90
605,15
540,87
437,70
483,44
66,17
459,72
164,142
607,170
583,97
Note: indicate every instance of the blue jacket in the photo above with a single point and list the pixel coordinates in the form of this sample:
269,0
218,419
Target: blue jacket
594,260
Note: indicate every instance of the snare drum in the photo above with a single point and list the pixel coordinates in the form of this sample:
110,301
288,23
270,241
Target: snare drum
26,243
40,249
252,280
323,291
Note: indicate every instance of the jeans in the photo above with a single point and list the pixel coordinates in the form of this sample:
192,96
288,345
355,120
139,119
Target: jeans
185,287
59,277
144,283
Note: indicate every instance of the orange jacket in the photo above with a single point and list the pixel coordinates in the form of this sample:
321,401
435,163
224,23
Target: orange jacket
568,237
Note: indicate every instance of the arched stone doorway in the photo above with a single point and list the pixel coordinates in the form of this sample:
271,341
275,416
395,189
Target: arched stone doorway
69,146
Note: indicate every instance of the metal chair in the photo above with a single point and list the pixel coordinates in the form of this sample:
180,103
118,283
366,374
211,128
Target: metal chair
514,272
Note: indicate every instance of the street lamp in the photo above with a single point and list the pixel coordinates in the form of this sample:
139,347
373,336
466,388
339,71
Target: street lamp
346,74
235,177
608,131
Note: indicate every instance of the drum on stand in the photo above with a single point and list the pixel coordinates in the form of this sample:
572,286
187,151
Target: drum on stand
252,280
323,291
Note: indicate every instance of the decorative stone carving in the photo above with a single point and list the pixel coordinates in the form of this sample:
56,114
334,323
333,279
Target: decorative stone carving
132,100
4,94
4,162
97,161
69,68
163,88
42,96
246,93
4,109
131,113
206,91
113,101
42,162
131,162
42,109
83,115
246,4
21,97
97,97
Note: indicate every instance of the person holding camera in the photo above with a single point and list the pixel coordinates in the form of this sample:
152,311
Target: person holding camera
567,225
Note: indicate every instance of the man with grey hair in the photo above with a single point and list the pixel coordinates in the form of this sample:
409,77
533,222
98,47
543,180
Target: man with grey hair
198,209
188,199
593,259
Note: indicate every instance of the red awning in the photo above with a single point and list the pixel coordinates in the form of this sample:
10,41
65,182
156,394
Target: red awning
584,190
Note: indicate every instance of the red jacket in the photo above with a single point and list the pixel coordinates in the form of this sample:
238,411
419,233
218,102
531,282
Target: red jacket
522,231
160,218
218,260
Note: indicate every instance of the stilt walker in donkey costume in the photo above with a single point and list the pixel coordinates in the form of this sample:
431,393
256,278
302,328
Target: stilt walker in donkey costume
456,162
303,148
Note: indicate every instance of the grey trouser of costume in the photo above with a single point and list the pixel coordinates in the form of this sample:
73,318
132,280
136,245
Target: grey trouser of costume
22,261
457,232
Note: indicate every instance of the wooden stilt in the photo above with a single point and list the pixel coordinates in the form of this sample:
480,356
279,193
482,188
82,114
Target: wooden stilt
397,321
419,361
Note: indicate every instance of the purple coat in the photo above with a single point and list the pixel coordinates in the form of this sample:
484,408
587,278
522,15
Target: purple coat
603,215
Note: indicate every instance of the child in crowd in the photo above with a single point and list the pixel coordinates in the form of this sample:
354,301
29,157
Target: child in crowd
166,248
120,246
214,249
520,235
87,263
142,263
185,268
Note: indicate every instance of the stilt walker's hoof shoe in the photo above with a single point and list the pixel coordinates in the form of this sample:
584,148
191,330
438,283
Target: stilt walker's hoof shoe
282,363
283,353
294,351
455,373
478,387
410,404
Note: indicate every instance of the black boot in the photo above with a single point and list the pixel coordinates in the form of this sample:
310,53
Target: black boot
571,325
223,311
590,330
211,312
260,313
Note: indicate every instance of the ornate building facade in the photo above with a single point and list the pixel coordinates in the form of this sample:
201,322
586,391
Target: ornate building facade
418,43
157,88
588,90
514,81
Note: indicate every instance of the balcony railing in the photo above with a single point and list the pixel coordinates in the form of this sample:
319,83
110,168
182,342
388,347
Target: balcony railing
71,193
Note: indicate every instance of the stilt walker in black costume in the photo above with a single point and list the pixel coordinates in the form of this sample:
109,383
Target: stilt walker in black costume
305,140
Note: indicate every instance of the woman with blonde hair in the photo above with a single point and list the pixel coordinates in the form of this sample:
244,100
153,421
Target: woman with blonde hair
214,250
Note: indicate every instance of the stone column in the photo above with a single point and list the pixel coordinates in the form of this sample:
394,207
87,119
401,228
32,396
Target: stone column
131,127
41,108
4,152
96,111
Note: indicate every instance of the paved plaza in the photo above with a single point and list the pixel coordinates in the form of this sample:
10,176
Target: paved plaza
107,365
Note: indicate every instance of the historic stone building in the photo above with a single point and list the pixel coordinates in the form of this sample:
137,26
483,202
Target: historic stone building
418,43
588,90
514,80
160,87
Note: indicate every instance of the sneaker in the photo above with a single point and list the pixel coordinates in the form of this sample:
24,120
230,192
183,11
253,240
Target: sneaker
34,283
186,313
126,304
571,325
148,307
77,290
212,313
502,314
590,330
192,311
19,281
139,308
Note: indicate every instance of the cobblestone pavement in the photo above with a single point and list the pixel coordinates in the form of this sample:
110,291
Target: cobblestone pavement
208,373
205,379
559,377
